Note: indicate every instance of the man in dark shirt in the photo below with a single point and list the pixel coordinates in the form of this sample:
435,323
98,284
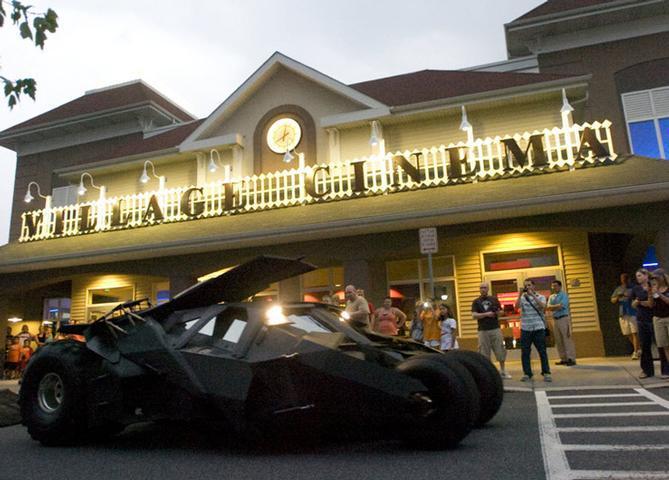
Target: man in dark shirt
644,317
485,310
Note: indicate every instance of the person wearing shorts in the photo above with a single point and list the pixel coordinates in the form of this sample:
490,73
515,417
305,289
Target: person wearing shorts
485,310
627,314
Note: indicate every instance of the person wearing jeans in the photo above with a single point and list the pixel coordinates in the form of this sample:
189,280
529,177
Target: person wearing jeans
532,330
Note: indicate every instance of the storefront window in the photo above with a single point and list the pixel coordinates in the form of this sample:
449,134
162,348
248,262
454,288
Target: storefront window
101,300
408,282
161,292
521,259
56,310
322,282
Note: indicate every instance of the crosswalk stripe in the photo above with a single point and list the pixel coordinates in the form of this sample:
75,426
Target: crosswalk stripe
604,448
651,396
617,475
660,428
612,414
611,395
554,451
593,405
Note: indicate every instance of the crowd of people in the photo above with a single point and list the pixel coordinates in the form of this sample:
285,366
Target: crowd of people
644,317
19,348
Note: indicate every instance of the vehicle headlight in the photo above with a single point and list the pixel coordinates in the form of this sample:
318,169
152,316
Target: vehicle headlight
275,316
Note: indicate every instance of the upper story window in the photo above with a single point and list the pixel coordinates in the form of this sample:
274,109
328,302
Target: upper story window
647,117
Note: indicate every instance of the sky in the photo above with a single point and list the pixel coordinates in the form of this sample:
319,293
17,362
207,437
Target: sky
198,53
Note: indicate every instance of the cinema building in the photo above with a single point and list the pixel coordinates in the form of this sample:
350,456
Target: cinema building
549,165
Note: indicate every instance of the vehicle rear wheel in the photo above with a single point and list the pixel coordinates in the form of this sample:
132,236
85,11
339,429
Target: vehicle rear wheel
443,420
488,381
473,395
52,396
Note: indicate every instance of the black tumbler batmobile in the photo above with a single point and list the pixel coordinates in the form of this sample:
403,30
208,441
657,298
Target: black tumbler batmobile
255,370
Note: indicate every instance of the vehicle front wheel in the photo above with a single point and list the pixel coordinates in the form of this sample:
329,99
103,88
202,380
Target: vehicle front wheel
443,419
52,396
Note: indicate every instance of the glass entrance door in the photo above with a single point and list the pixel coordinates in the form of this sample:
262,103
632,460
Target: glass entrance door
506,286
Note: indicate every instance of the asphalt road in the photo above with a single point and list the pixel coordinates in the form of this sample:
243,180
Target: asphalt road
507,448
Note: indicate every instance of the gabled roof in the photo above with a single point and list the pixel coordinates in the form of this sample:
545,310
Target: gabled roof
560,6
427,85
97,102
262,74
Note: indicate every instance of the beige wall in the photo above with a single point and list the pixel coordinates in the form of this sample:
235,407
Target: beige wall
143,287
285,88
179,173
576,262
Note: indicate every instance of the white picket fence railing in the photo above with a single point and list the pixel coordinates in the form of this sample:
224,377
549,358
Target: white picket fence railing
485,158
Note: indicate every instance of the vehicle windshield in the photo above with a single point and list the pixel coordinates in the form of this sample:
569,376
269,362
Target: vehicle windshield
306,323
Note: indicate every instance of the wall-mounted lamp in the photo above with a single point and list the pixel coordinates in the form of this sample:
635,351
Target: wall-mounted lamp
144,178
28,197
288,157
214,164
14,320
465,126
82,189
566,107
375,134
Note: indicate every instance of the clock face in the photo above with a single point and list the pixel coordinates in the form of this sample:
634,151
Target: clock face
284,135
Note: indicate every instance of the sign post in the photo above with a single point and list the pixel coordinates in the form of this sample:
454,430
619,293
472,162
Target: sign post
428,246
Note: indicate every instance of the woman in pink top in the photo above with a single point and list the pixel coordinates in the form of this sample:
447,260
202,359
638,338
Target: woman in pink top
387,318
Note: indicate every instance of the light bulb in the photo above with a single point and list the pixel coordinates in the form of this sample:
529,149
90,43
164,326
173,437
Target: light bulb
145,177
212,165
82,190
288,157
28,198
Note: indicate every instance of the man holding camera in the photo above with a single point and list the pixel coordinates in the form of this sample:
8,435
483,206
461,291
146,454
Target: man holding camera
532,330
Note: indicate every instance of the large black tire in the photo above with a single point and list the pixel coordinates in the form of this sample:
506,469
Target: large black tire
471,387
53,394
446,422
488,381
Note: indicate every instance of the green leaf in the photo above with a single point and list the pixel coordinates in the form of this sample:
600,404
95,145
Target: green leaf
25,30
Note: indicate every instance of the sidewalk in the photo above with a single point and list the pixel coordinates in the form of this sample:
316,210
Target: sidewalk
594,373
591,373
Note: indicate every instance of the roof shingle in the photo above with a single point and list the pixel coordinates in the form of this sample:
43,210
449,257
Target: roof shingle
102,100
556,6
428,85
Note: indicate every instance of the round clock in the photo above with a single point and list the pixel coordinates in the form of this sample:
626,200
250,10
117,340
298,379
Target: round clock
283,135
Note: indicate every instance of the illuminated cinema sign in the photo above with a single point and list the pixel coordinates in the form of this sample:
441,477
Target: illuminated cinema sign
539,152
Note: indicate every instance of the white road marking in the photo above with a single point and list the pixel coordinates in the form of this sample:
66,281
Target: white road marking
611,395
556,464
613,414
660,428
555,460
651,396
604,448
609,404
617,475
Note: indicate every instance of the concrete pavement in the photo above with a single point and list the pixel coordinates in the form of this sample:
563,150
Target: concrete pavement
592,373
